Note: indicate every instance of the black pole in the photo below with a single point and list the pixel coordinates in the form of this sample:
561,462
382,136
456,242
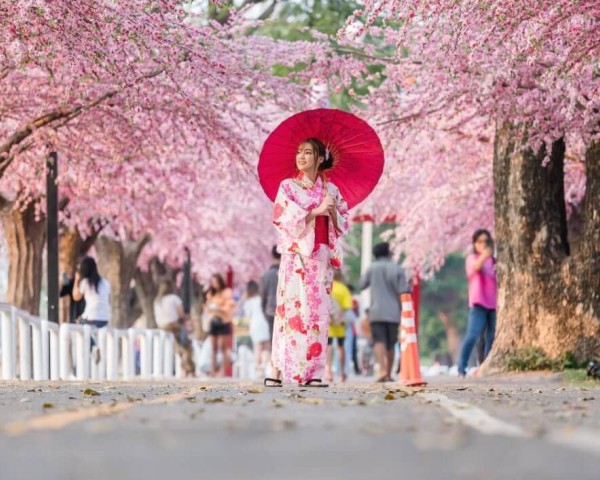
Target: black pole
52,235
187,282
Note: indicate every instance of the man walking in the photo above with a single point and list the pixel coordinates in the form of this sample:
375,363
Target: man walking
387,281
268,291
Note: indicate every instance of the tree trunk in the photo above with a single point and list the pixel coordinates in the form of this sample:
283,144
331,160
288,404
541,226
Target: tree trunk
70,251
146,289
117,263
69,243
197,310
452,335
548,296
25,239
589,250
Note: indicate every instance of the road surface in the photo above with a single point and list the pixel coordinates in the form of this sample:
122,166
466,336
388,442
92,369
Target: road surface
512,427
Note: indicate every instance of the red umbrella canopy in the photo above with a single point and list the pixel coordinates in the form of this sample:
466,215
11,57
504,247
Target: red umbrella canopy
355,147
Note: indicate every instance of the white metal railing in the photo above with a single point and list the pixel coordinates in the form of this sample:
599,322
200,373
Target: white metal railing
8,341
243,364
32,348
36,341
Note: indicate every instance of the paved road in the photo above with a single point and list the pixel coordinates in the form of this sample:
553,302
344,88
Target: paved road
518,428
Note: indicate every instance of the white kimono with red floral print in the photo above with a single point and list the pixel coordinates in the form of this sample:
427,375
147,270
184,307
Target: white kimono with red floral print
305,278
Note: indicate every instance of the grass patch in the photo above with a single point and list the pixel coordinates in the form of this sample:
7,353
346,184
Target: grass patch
578,377
531,358
574,372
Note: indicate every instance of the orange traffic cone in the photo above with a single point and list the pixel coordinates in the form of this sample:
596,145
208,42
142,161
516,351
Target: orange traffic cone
410,368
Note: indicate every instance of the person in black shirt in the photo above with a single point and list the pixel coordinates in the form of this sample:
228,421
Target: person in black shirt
76,308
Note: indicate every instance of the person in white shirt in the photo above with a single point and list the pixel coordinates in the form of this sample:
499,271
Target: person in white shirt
95,290
89,285
170,316
259,327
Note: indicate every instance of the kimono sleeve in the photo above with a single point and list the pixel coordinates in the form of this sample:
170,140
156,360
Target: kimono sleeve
342,215
289,218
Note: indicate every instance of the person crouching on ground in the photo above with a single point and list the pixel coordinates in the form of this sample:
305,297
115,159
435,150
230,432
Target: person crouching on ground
170,316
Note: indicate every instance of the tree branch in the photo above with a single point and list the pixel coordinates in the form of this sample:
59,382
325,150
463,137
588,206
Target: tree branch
63,116
412,116
420,113
4,72
268,12
358,53
90,240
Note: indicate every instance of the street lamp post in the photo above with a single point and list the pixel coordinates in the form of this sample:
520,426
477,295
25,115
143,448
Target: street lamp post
187,282
52,236
229,339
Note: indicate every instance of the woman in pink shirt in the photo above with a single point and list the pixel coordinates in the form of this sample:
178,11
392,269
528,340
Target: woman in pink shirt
481,275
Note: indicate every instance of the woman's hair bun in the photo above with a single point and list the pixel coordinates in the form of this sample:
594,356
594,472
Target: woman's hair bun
328,162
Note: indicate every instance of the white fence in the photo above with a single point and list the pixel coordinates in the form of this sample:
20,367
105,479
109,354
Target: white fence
36,349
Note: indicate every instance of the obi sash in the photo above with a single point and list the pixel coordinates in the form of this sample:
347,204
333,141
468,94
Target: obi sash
321,230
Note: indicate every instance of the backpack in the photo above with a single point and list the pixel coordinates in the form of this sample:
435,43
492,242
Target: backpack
336,314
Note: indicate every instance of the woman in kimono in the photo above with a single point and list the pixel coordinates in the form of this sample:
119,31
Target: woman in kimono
310,216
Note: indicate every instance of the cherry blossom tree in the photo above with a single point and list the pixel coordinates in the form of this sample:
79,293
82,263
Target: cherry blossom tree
528,71
129,93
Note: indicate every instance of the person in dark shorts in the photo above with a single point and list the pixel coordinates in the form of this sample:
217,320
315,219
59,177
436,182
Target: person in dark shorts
387,281
268,289
219,308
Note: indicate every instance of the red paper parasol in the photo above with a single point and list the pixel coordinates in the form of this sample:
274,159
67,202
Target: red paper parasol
356,150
